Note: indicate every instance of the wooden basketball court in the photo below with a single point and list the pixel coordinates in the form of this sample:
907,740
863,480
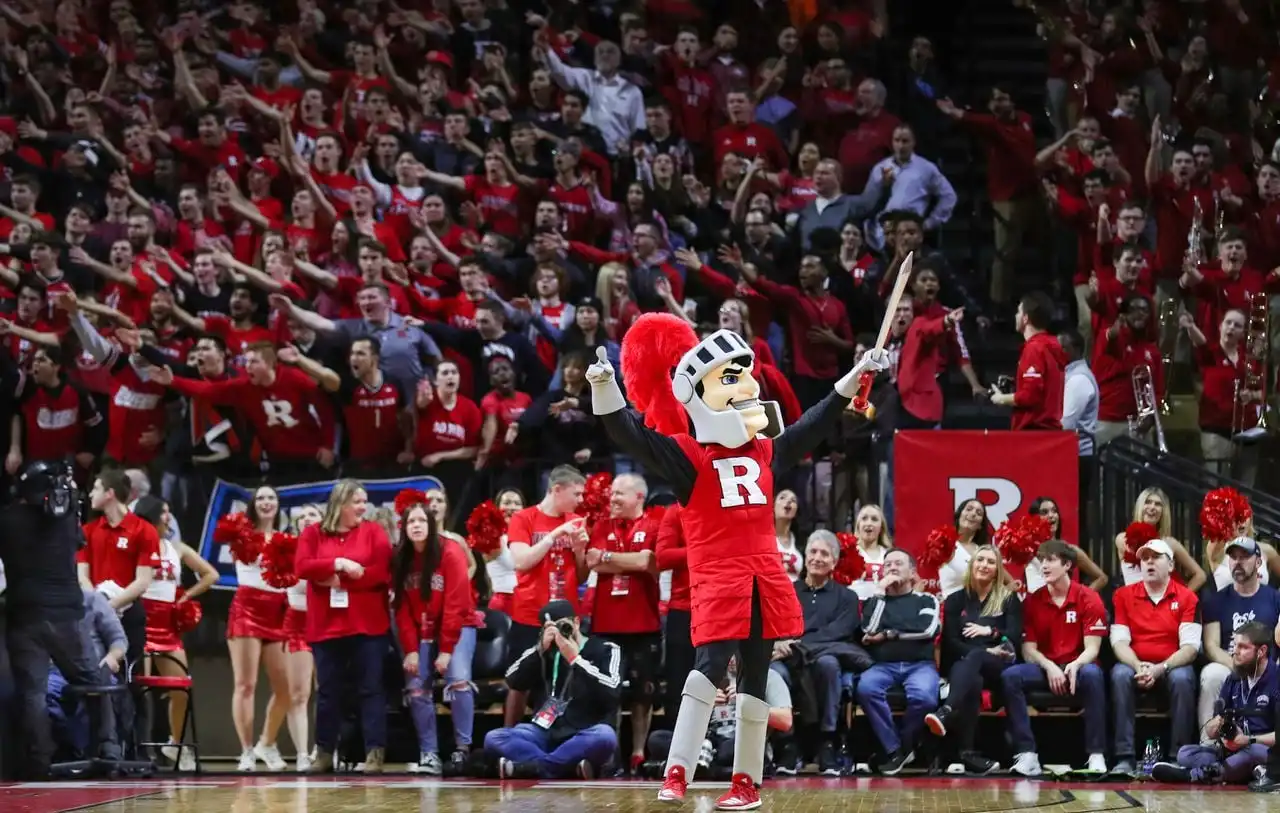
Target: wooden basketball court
402,794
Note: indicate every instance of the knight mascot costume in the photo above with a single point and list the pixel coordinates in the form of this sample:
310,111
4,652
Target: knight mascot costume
706,432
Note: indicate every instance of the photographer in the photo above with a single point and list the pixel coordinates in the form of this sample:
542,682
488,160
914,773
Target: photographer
1243,730
574,683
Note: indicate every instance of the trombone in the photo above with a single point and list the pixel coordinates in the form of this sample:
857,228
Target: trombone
1167,340
1251,390
1147,406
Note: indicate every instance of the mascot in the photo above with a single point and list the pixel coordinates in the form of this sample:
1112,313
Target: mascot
721,448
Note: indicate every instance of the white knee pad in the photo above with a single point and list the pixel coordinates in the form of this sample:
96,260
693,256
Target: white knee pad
749,739
691,723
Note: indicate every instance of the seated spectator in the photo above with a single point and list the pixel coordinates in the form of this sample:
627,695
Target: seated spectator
1155,638
1245,600
102,636
1243,730
826,649
981,633
898,631
717,749
574,684
1062,628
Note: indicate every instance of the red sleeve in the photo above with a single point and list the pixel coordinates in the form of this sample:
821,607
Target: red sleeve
306,562
597,538
777,153
1029,389
472,423
188,149
716,283
519,530
1190,607
677,281
1071,208
598,256
377,571
1030,618
1121,608
1095,616
457,597
671,552
983,124
489,406
218,392
407,627
785,295
148,545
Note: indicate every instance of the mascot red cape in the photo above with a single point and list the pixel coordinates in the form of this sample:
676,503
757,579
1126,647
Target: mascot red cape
705,429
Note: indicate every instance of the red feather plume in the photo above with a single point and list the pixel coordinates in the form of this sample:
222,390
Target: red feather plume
939,547
1019,539
851,566
408,498
238,532
485,528
277,561
595,498
1222,512
651,348
1135,536
186,616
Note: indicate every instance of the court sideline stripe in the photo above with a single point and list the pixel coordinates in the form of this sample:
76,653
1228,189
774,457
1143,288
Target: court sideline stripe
1067,797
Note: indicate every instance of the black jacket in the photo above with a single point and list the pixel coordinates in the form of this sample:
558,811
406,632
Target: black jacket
963,607
591,685
39,555
910,620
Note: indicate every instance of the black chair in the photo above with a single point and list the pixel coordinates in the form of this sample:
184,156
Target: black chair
93,765
490,661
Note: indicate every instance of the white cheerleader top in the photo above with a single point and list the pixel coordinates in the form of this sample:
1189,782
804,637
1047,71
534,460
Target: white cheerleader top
168,575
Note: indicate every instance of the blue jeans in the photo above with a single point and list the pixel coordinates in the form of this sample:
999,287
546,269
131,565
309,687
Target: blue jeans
1181,684
919,679
354,661
826,679
1236,767
1090,695
458,693
528,743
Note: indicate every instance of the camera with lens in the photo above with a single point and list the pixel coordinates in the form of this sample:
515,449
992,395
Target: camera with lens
1230,728
565,626
1005,385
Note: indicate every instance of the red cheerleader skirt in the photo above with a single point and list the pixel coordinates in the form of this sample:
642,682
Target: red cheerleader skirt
162,626
257,614
501,602
295,631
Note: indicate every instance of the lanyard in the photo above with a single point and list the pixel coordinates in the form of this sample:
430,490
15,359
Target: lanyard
555,667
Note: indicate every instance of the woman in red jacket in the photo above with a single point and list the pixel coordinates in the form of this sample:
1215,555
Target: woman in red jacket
435,619
346,562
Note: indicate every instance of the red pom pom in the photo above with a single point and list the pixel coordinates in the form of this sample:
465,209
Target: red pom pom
187,615
1019,539
277,561
851,566
595,498
651,349
1222,513
939,547
238,532
408,498
485,528
1135,536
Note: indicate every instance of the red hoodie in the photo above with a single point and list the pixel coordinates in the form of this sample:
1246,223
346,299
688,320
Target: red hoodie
366,612
1037,398
672,554
447,607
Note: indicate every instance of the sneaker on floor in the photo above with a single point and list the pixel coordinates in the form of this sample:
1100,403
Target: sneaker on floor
321,762
428,763
675,785
248,762
373,761
457,764
170,751
976,763
828,760
1170,773
895,762
937,721
1027,764
1097,764
637,763
270,754
304,763
187,761
742,795
787,759
509,769
585,770
1125,768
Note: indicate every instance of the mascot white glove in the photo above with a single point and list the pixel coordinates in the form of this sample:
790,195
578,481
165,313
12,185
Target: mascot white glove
876,361
606,395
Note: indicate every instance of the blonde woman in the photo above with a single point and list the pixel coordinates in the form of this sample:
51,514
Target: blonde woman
872,533
618,305
981,634
346,561
785,506
299,663
1152,507
1218,563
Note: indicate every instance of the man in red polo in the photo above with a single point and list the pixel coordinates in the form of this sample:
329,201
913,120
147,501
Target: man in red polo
1062,631
1156,638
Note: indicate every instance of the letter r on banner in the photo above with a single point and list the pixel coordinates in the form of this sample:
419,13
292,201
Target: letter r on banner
1008,495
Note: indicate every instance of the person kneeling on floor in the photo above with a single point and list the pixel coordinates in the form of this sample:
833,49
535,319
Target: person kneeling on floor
574,683
1243,730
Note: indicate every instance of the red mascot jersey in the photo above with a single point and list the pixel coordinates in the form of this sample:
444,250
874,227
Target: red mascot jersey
728,521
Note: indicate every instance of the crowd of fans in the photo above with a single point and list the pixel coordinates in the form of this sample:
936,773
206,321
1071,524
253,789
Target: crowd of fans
374,240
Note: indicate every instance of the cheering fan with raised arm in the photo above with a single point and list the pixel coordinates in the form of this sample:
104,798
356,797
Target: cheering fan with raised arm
721,448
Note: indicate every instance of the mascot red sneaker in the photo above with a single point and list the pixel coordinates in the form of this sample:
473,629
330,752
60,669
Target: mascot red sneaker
706,431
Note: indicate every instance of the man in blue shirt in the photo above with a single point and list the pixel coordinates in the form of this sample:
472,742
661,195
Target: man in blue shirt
1243,601
1244,728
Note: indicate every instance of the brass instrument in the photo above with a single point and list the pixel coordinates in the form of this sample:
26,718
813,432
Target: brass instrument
1251,390
1220,222
1195,237
1167,340
1147,406
1049,26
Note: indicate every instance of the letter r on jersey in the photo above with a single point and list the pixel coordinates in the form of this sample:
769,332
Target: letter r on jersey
739,482
279,413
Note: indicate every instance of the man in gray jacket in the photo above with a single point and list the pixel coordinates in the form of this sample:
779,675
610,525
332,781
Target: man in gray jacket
103,639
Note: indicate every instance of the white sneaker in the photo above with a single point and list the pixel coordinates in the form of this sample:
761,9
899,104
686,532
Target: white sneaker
170,751
1097,764
270,754
248,762
304,763
187,762
428,764
1027,764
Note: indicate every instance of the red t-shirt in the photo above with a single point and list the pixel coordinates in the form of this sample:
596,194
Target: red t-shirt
372,420
444,430
508,410
1154,626
1059,632
625,603
114,553
1218,398
237,339
1113,364
499,205
673,555
137,406
555,577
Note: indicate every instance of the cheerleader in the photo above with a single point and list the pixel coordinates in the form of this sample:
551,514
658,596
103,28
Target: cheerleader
161,601
501,570
299,665
785,505
435,619
1047,507
256,634
1152,507
971,528
872,533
